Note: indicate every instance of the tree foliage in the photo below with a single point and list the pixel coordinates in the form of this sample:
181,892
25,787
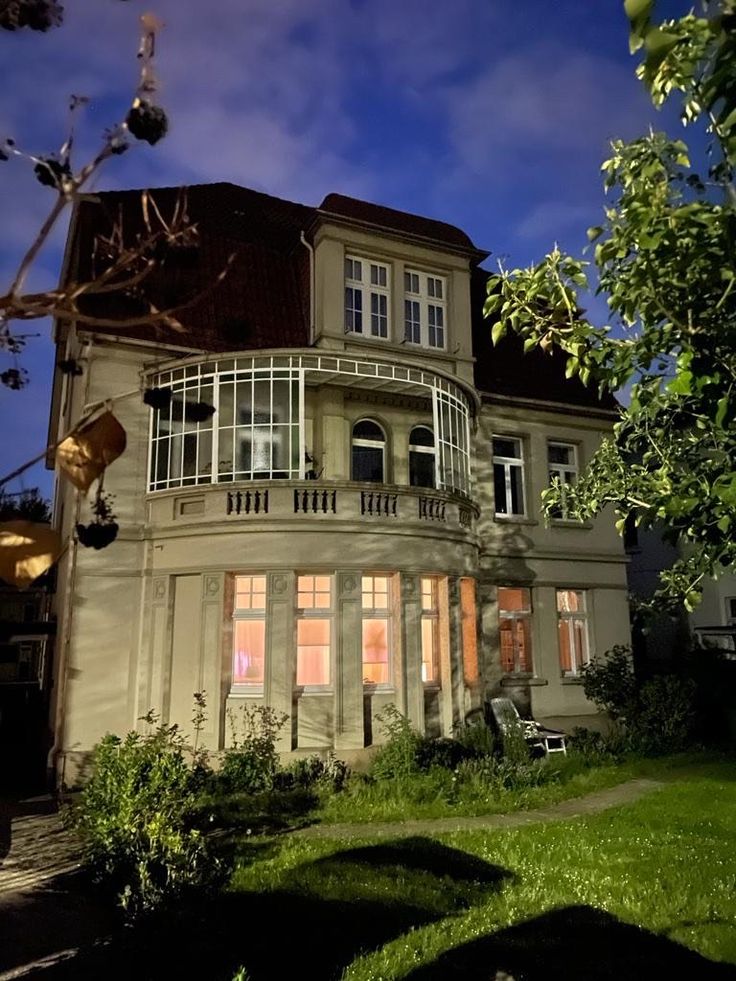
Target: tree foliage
665,256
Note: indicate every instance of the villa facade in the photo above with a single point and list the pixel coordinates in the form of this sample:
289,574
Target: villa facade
358,521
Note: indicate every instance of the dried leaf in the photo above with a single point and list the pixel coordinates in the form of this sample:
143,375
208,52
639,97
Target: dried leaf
83,456
27,550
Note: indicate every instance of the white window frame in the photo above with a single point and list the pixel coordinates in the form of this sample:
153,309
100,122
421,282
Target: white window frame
431,615
373,444
507,463
566,473
514,615
371,281
315,613
426,450
380,613
249,613
729,603
570,618
425,295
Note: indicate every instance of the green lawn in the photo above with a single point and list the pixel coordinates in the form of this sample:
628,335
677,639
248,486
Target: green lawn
647,890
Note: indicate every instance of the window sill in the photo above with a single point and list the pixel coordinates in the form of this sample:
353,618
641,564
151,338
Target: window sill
432,686
515,519
242,692
570,523
370,689
510,680
571,679
309,692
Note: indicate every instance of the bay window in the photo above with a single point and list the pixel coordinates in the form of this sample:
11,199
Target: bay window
314,630
376,630
249,634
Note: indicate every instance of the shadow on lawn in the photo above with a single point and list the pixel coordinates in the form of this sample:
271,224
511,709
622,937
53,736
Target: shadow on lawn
326,913
322,916
577,943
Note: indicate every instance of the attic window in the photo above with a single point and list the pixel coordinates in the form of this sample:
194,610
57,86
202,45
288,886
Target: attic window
425,309
367,297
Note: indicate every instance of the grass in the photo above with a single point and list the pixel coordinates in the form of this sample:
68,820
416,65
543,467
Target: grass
610,896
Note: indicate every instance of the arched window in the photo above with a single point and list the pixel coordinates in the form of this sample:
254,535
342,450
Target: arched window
421,457
368,452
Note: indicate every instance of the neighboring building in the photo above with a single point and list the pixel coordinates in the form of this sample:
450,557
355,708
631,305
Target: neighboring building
358,523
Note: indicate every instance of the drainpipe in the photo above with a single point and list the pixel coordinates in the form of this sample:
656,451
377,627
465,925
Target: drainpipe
63,658
310,249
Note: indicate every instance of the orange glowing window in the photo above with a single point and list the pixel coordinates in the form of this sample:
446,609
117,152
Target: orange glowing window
430,632
249,652
469,625
515,622
314,631
572,630
375,651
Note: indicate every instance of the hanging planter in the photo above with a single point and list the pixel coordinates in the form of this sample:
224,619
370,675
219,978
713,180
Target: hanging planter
83,456
198,411
157,398
104,529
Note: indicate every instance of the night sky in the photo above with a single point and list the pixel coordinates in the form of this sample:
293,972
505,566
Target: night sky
493,115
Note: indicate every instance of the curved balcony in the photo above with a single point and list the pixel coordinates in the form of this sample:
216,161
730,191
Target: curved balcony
258,430
290,505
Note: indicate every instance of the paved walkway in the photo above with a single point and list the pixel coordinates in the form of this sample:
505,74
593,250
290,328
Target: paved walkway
34,846
600,800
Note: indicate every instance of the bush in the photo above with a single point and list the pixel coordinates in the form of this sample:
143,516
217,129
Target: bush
252,762
476,738
398,755
610,682
314,773
135,818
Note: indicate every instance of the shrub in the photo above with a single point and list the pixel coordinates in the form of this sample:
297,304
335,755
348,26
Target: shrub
476,738
398,755
610,682
252,762
315,772
665,715
135,818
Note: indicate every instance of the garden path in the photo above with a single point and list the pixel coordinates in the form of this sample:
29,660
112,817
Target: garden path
599,800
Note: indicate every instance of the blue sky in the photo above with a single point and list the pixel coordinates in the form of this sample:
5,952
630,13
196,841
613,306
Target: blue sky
491,114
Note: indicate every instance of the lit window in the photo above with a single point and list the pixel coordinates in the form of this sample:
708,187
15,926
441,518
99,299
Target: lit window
366,297
421,457
249,632
572,630
368,452
376,630
515,621
469,629
508,476
314,629
563,466
430,627
424,309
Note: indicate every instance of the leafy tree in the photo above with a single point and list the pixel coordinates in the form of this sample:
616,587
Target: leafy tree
665,256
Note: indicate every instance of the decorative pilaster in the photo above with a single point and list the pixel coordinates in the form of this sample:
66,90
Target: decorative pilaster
349,732
280,668
411,619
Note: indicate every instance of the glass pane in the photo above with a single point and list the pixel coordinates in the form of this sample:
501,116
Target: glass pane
366,429
249,652
517,492
507,447
421,436
429,593
499,488
421,469
429,649
367,464
563,634
313,652
512,600
570,601
559,453
375,651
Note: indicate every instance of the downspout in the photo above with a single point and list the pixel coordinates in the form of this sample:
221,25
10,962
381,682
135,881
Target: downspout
310,249
63,658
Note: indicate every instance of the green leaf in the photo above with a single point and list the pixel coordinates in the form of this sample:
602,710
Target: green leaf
529,343
497,331
638,8
721,411
594,232
681,384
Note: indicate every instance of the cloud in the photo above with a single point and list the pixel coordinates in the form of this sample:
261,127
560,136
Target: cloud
548,103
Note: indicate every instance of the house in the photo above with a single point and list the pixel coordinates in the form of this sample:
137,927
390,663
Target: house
357,524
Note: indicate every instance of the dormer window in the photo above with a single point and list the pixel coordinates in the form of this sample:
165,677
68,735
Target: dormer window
425,309
366,297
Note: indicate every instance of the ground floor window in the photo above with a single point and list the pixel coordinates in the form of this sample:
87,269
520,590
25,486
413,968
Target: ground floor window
376,628
515,629
249,633
314,631
430,627
572,630
469,627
